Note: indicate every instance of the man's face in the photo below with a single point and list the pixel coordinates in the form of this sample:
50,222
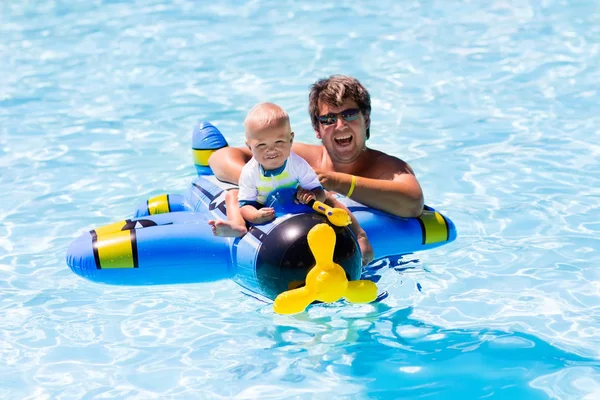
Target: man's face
342,130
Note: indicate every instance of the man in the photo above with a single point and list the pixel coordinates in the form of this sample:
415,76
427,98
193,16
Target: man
383,182
340,111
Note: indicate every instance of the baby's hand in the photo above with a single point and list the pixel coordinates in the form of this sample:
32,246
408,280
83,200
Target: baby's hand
263,215
304,196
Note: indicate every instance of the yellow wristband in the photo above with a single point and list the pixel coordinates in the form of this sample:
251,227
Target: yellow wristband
352,186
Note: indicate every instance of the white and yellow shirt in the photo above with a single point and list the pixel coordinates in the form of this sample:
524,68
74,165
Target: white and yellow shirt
256,183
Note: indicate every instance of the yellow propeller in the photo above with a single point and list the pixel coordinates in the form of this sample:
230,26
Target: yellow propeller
326,281
337,216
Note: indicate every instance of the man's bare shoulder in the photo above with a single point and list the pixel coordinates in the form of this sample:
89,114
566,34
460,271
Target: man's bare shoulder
312,153
386,166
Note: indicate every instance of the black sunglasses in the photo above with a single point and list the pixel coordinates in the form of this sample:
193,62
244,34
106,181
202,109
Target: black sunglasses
347,115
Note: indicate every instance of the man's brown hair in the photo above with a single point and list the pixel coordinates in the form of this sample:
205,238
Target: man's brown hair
334,91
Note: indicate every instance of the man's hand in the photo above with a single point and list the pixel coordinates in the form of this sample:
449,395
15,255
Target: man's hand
365,248
331,180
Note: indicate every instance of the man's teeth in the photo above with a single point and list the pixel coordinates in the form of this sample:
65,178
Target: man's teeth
343,138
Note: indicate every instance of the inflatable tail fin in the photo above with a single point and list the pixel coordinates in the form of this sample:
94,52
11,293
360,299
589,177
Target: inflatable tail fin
206,139
162,204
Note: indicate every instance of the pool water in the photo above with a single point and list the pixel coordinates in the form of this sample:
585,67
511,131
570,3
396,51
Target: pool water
494,105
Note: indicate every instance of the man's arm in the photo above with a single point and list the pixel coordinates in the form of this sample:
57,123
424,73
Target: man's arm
227,163
391,186
311,153
359,232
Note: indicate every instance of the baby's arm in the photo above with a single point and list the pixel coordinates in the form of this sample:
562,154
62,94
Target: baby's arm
307,178
247,197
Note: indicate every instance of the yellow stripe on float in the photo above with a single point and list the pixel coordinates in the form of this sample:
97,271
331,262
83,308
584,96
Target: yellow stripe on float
158,205
434,226
117,250
106,229
201,156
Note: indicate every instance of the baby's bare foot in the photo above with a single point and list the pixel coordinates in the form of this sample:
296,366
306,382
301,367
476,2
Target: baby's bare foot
227,228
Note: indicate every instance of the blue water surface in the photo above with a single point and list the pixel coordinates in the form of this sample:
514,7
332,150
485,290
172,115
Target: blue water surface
493,103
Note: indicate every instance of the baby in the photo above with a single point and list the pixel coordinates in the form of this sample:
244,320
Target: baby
273,166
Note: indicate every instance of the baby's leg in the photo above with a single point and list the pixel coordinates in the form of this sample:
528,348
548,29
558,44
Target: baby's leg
227,228
235,226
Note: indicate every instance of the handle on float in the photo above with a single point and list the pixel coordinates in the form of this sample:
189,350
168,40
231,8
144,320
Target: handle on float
326,281
337,216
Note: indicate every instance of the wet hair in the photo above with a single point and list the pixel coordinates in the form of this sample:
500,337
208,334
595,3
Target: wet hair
334,91
265,114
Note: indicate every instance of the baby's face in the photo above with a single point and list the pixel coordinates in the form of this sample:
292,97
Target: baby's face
270,145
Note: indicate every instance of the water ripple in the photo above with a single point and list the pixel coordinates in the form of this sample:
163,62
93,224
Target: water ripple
493,104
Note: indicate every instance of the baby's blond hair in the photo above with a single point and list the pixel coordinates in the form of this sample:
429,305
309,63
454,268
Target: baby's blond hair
265,115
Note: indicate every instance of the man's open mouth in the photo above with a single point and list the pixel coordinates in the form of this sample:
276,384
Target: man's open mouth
343,140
